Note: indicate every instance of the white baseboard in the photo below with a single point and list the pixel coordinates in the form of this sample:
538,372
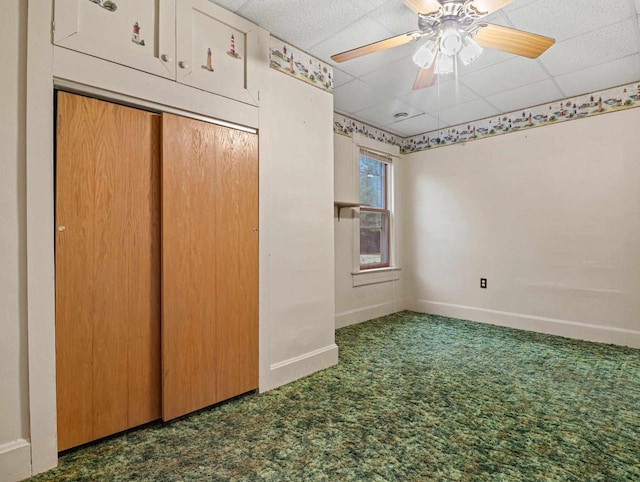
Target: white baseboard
292,369
15,461
551,326
367,313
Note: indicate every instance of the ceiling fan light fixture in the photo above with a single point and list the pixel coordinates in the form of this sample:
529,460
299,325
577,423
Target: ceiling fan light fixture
444,64
470,51
450,42
425,55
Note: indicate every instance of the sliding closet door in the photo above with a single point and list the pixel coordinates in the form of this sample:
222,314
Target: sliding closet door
107,268
209,264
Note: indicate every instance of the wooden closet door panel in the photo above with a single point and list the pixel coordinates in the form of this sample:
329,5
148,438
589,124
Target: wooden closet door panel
74,261
107,269
188,265
209,212
144,277
237,261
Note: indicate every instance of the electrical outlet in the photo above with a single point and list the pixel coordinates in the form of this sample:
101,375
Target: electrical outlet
483,283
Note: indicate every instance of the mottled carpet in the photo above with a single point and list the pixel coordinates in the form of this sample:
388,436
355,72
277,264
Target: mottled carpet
415,397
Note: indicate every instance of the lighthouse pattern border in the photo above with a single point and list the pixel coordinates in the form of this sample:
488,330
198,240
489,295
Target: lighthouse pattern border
606,101
588,105
296,63
347,127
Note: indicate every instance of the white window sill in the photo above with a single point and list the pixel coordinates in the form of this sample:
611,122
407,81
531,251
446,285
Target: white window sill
374,276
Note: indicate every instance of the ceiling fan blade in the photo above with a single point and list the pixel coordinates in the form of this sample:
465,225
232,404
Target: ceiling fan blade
423,6
426,78
485,7
405,38
513,41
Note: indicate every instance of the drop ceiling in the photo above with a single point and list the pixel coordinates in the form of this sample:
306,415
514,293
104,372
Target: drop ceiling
598,46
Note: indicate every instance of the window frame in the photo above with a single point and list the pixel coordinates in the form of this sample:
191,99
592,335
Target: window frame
386,161
391,153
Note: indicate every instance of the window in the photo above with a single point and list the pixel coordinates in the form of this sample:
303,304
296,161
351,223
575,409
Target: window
374,211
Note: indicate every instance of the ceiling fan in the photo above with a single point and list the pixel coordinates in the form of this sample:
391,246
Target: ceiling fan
453,30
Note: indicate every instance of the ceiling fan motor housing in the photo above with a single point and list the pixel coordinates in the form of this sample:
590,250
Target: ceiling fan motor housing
460,12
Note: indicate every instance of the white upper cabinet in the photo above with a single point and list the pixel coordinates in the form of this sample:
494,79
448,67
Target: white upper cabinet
218,51
193,42
138,34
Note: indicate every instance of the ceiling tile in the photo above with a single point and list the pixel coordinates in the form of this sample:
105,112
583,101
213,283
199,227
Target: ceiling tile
396,17
382,114
394,79
570,18
232,5
527,96
415,125
594,48
355,96
299,22
361,32
600,77
340,77
368,5
447,94
467,112
498,17
507,75
516,4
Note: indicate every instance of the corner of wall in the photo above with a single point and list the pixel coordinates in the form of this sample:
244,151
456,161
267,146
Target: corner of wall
366,313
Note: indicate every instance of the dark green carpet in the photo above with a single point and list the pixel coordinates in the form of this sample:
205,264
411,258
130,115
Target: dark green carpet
415,397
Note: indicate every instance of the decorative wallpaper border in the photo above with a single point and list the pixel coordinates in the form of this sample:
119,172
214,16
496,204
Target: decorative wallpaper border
296,63
587,105
346,126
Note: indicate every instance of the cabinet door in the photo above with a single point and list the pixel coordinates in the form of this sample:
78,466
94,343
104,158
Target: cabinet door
209,264
139,34
218,51
107,268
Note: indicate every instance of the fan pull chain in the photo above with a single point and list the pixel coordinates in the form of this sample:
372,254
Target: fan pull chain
438,80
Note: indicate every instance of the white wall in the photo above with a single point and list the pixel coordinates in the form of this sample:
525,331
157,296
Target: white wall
361,303
14,414
550,216
296,169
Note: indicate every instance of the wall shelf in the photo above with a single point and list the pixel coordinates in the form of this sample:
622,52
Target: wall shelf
345,204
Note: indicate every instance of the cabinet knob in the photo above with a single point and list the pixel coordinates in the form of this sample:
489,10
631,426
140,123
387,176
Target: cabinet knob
183,64
166,58
61,228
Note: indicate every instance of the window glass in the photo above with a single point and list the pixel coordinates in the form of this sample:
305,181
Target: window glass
374,213
372,182
374,239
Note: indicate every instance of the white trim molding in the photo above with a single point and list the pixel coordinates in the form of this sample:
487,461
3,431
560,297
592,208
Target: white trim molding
550,326
360,315
40,240
15,460
287,371
374,276
374,145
